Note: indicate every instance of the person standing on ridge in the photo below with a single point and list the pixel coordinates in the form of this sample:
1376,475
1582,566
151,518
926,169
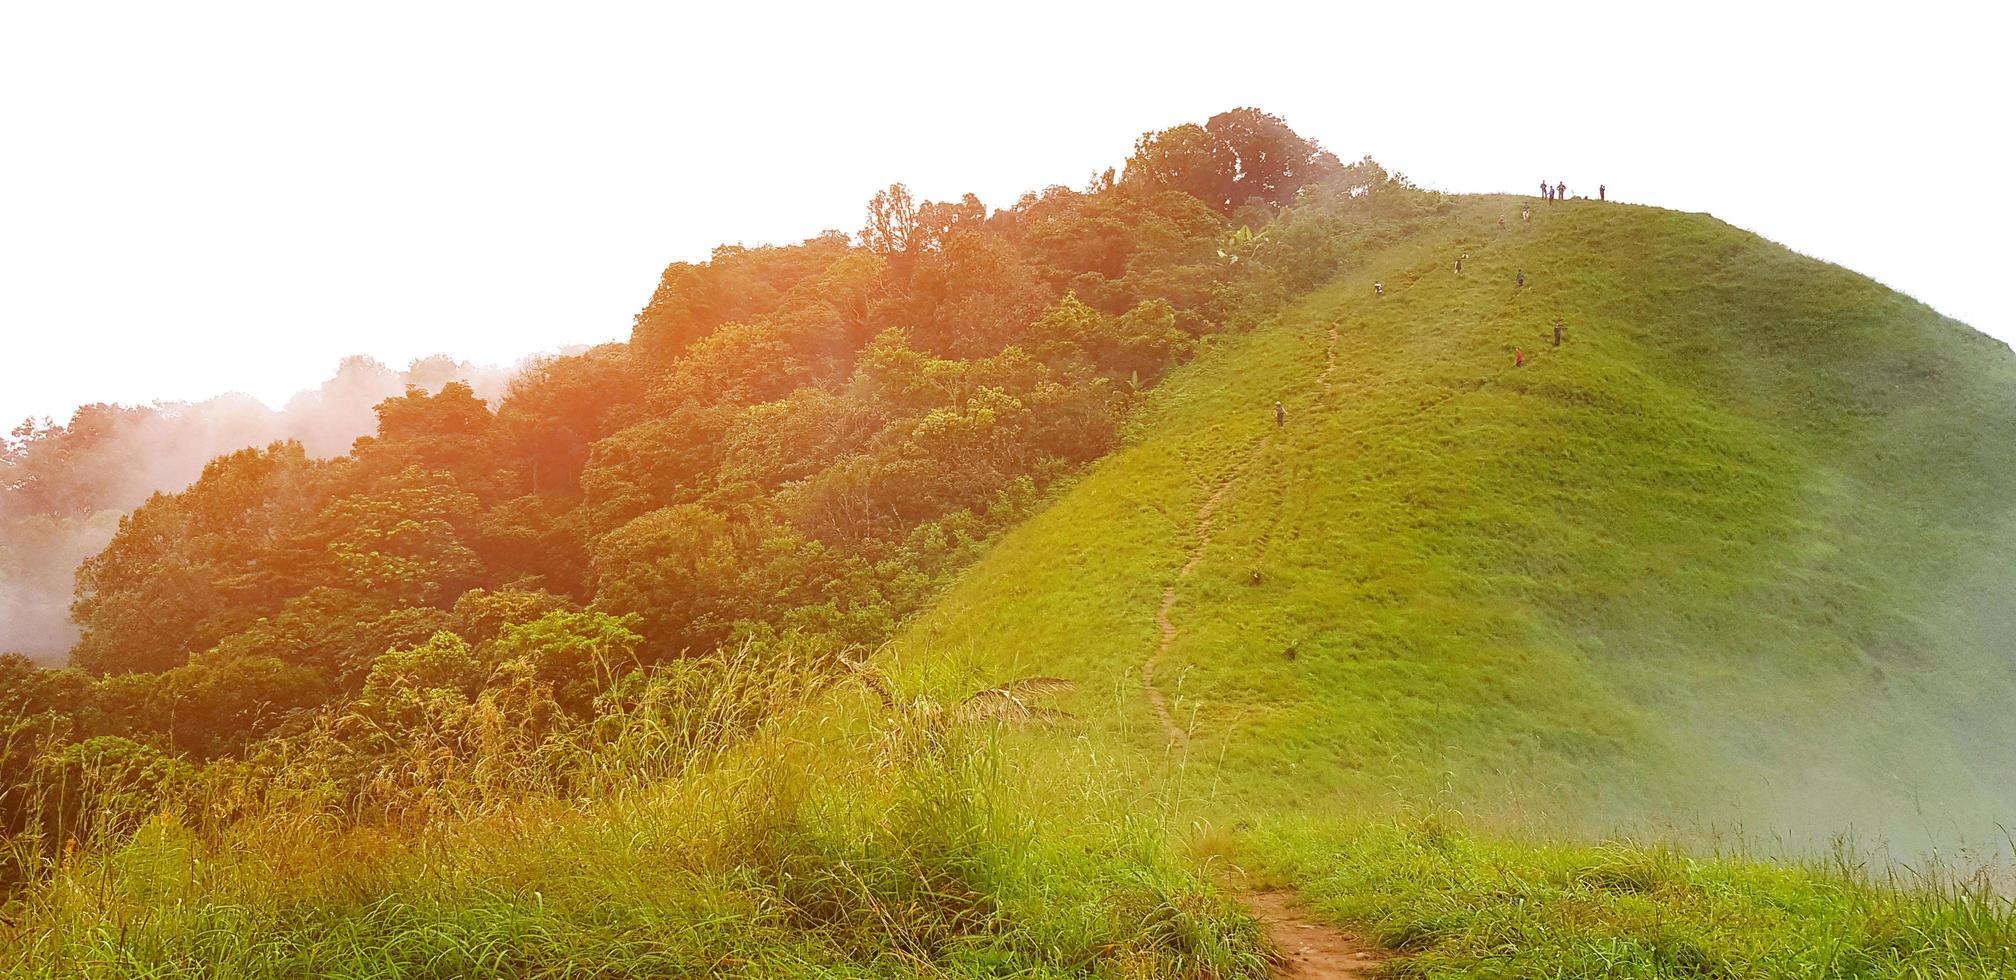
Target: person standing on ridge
1602,192
1557,331
1561,191
1545,188
1280,415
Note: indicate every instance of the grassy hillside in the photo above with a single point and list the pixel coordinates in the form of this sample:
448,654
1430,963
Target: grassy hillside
1729,558
1725,568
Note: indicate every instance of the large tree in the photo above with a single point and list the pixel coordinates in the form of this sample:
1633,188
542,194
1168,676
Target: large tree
1273,161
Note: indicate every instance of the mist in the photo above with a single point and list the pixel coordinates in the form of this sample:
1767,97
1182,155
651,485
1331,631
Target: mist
64,487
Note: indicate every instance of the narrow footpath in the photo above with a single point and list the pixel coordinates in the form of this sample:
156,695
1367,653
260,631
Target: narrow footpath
1310,949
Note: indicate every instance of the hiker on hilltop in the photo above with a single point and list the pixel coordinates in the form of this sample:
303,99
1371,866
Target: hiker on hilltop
1561,192
1602,192
1557,331
1280,415
1546,189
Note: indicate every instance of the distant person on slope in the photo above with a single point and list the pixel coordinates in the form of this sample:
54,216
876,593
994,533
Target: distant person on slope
1379,289
1557,331
1280,415
1522,278
1546,189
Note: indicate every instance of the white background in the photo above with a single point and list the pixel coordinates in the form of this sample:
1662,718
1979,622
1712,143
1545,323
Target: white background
197,198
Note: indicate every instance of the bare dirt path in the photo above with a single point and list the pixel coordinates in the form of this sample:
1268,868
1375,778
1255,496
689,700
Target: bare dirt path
1310,949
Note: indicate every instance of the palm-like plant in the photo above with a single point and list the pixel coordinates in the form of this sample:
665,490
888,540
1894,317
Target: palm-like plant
1242,244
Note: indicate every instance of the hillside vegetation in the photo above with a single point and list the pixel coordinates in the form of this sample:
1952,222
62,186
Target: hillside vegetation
1722,569
1733,549
947,600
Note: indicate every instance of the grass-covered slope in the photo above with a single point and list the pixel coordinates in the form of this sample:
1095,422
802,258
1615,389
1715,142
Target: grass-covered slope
1735,552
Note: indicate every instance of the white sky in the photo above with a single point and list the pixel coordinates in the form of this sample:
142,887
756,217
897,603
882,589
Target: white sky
197,198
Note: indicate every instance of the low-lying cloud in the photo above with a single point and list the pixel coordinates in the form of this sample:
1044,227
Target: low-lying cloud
63,487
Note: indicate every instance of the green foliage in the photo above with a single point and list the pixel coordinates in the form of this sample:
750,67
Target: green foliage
405,539
679,570
189,569
1186,158
1236,157
98,790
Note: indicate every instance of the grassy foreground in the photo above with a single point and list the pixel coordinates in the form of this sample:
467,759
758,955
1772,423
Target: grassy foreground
832,843
1456,904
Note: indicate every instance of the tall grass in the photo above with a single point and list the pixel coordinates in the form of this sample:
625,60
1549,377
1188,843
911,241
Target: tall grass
751,832
1460,905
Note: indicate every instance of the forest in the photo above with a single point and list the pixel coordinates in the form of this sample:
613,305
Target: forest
795,449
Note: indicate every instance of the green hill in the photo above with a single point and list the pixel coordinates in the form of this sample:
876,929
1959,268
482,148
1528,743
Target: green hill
1733,556
1727,568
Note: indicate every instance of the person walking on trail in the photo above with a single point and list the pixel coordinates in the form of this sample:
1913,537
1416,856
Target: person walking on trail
1280,415
1557,331
1561,191
1522,278
1602,192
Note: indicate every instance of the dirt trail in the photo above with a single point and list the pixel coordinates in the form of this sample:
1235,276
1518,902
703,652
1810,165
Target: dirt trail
1329,360
1160,702
1310,949
1176,732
